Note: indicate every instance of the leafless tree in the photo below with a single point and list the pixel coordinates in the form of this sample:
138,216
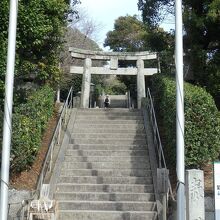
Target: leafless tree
86,24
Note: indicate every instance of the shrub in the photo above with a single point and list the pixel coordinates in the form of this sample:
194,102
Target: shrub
29,121
202,121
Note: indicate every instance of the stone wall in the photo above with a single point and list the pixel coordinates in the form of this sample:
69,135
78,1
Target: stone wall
209,208
15,202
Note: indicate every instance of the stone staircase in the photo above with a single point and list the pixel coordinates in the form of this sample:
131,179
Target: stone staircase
106,173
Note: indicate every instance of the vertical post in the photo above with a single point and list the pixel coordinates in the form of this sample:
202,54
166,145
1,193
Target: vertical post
140,82
179,112
58,87
86,83
217,189
71,98
58,94
158,63
195,204
7,128
163,187
164,206
59,131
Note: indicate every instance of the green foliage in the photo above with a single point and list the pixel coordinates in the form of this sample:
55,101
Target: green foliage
202,121
153,10
29,121
111,86
40,25
115,88
201,39
128,34
40,28
131,34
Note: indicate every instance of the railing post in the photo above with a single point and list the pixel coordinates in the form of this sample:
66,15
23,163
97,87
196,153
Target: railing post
64,115
58,94
158,63
59,131
129,99
51,158
71,98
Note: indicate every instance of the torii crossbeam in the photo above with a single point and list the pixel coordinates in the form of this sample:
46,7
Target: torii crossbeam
114,57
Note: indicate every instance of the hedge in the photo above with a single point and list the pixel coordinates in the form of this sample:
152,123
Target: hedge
29,121
202,121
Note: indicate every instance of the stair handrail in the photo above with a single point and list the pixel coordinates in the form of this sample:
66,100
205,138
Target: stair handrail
48,162
157,139
56,139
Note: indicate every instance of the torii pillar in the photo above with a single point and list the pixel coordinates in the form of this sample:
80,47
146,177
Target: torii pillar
86,81
88,56
141,93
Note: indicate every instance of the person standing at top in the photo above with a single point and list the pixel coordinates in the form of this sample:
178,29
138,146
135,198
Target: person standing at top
107,101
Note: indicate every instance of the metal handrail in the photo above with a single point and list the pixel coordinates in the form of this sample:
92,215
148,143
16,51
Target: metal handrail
157,140
56,141
156,137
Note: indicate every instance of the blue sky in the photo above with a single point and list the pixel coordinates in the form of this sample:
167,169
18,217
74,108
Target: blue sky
105,12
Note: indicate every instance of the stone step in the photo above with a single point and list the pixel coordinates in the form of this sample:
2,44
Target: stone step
117,111
104,180
109,153
106,147
104,158
107,136
100,196
106,165
108,122
110,117
110,188
106,215
106,172
115,129
108,126
106,205
115,141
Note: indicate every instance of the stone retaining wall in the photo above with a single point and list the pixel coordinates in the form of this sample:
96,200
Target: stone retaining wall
15,202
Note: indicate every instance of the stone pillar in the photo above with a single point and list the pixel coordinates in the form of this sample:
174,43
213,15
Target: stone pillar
140,82
58,95
86,80
195,205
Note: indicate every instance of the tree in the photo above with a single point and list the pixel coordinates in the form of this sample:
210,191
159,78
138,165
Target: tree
73,38
131,34
86,25
202,43
154,11
128,34
39,38
201,40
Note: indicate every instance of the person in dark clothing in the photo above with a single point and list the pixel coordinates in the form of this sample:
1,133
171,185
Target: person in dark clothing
107,101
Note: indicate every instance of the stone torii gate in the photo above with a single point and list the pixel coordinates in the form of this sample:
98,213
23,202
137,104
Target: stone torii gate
88,56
